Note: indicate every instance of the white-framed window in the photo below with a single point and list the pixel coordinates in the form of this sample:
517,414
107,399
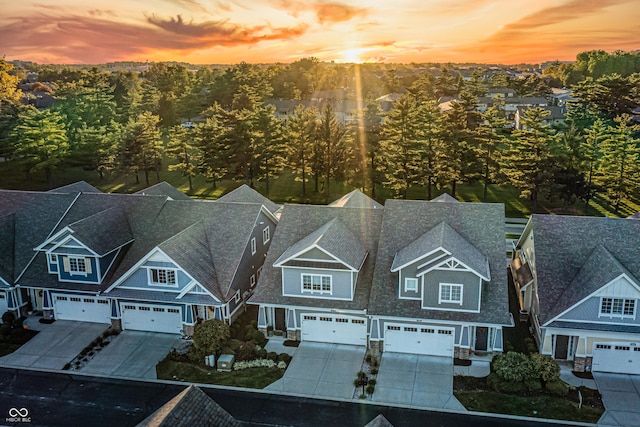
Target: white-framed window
162,277
252,280
253,246
265,235
236,296
617,307
316,283
410,284
76,265
450,293
53,258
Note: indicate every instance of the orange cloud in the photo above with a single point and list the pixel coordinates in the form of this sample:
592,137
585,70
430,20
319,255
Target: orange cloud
58,37
326,12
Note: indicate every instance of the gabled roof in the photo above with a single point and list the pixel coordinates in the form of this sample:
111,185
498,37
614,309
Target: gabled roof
445,198
356,199
298,222
599,269
444,237
104,231
379,421
7,235
163,189
246,194
191,408
76,187
481,225
333,238
563,246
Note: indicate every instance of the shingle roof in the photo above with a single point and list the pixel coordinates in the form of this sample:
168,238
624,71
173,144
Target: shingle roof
379,421
445,198
445,237
297,222
104,231
191,408
76,187
163,189
481,224
356,199
335,238
7,235
563,246
246,194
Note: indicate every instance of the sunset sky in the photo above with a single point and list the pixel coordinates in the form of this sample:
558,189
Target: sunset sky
266,31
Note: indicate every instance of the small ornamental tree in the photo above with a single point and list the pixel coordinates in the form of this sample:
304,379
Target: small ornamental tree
210,336
545,367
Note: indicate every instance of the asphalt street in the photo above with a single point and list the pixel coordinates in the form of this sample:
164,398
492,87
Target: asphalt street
55,399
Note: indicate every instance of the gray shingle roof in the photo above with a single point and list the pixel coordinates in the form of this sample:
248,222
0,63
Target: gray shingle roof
7,242
335,238
379,421
356,199
76,187
443,236
563,247
297,222
104,231
481,224
445,198
246,194
191,408
163,189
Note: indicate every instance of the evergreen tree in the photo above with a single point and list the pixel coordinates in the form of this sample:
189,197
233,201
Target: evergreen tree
301,133
491,135
268,145
333,137
141,147
214,161
182,148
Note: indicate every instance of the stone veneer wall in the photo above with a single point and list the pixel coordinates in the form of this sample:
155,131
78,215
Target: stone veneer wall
116,324
293,334
580,363
462,353
188,329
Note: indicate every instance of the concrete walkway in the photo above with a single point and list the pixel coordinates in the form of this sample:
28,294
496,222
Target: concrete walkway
321,370
133,355
55,345
621,398
417,381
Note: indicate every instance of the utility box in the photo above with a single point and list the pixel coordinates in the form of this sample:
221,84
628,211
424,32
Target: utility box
210,360
225,362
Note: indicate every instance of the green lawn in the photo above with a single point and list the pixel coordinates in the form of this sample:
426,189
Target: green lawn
286,189
257,378
542,406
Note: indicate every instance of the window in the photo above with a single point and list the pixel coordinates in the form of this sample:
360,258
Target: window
427,331
130,307
316,283
309,317
622,347
253,246
325,319
77,265
410,329
61,298
144,308
341,320
444,332
76,299
173,310
603,346
162,276
252,280
357,321
88,300
450,293
393,328
158,309
236,296
265,235
53,258
410,285
617,307
103,301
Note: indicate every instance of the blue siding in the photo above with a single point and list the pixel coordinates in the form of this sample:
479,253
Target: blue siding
105,261
589,310
140,279
67,276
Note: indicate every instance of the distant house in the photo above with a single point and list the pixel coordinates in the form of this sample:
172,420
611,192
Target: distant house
578,282
556,116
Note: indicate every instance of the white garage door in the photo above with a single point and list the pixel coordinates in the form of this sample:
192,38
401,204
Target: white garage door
429,340
333,328
153,318
622,358
81,308
4,302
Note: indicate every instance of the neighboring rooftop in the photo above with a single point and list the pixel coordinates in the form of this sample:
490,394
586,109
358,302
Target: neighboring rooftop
164,189
76,187
246,194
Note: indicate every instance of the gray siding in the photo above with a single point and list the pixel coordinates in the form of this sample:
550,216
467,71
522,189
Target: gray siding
315,254
139,279
470,292
411,271
588,312
340,282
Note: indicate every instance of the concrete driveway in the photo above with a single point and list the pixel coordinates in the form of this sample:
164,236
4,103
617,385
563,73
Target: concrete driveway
621,398
416,380
322,370
132,354
55,345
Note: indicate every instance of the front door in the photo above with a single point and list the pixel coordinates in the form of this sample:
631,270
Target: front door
562,347
280,320
482,334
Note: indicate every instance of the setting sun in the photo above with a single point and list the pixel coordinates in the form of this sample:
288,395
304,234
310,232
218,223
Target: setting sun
352,55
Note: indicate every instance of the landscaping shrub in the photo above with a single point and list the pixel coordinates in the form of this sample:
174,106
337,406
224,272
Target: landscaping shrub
256,336
5,329
368,358
374,371
246,351
284,357
513,366
533,385
261,353
545,367
8,318
209,337
370,388
557,387
372,381
272,355
505,386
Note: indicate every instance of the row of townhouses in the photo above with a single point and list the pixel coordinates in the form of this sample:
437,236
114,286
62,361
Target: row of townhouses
421,277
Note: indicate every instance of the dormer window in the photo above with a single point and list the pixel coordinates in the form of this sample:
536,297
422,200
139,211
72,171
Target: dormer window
617,307
76,265
450,293
410,285
162,277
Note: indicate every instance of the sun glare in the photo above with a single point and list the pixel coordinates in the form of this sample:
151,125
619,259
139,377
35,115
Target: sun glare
352,55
